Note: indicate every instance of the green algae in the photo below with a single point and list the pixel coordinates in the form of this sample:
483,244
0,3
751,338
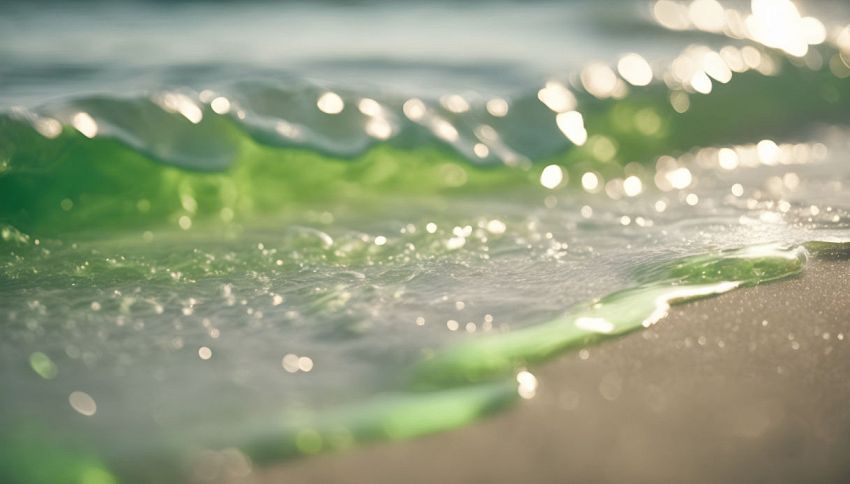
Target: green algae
454,386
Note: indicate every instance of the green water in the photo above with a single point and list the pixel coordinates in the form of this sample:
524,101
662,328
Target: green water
187,291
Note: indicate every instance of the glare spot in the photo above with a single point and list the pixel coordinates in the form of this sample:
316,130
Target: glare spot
290,363
182,104
443,129
455,243
305,363
85,124
481,150
680,101
370,107
526,384
204,353
497,107
732,57
452,325
287,129
768,152
595,325
185,222
777,24
48,127
330,103
590,182
43,365
813,31
496,227
701,82
455,103
431,227
692,199
751,56
727,158
679,178
220,105
414,109
571,123
83,403
671,15
635,70
557,97
380,240
379,128
716,67
552,176
599,80
632,186
707,15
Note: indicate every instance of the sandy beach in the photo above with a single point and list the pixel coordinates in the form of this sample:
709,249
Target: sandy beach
750,386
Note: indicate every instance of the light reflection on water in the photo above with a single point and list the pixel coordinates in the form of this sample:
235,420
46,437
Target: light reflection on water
219,312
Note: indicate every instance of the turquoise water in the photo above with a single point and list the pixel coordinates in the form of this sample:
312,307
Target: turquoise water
225,246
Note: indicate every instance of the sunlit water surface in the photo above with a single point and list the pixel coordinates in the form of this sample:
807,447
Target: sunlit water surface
255,228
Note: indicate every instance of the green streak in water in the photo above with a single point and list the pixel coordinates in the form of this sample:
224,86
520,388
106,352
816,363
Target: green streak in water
50,187
613,315
32,455
456,386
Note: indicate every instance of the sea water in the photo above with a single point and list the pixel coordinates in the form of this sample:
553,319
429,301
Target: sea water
234,234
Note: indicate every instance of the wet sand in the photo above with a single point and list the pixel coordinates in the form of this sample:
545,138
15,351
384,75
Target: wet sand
751,386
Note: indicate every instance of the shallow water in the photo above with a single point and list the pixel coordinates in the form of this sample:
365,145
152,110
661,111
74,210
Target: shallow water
204,250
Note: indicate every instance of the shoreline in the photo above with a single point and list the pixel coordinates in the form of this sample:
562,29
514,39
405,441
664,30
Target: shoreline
711,393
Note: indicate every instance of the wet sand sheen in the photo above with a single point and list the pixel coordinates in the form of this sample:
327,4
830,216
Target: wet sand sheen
748,386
